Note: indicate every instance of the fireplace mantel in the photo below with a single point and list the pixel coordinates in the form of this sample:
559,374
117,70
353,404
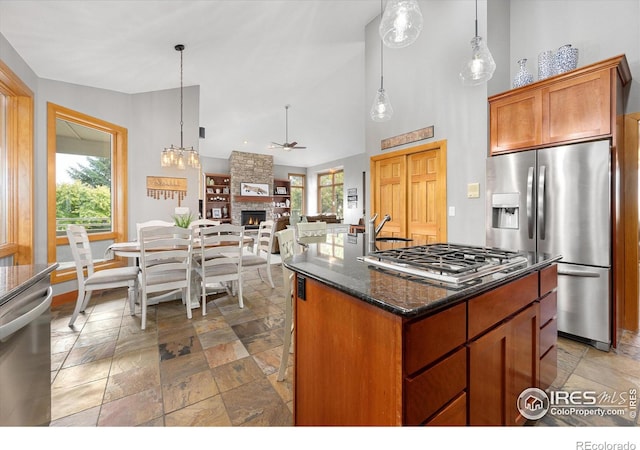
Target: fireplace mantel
252,198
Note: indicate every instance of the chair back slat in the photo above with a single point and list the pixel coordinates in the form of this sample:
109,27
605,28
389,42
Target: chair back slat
163,250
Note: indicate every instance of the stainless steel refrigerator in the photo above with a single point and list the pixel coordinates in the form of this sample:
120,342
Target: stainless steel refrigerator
557,201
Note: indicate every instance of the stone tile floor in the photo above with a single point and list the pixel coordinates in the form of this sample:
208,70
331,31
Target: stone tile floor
220,370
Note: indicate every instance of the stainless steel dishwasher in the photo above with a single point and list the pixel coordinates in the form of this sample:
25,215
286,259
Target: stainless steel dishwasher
25,356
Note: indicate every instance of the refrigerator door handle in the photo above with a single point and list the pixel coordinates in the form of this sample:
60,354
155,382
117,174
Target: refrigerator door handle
530,215
578,273
541,197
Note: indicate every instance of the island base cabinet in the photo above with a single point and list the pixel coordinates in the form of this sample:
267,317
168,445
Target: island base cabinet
347,353
503,363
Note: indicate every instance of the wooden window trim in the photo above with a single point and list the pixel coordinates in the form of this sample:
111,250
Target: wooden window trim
304,190
20,130
118,182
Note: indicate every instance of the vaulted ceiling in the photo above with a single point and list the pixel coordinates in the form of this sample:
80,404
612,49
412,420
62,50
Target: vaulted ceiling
250,59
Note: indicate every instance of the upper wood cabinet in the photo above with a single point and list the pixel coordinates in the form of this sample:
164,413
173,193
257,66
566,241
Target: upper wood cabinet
575,106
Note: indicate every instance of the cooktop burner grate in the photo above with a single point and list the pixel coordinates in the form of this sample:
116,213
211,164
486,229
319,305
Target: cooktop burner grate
446,262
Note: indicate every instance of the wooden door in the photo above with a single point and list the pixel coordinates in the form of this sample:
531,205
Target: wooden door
411,186
426,198
389,195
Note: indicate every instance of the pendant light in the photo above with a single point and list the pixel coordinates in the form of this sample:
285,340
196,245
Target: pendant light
481,66
401,23
381,110
180,157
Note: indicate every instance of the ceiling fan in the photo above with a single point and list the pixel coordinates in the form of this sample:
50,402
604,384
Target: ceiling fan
287,146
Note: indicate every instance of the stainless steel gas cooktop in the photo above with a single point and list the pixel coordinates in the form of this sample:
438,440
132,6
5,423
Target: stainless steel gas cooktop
449,263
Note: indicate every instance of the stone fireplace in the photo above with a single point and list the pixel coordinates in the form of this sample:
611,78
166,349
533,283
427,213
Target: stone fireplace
251,219
250,168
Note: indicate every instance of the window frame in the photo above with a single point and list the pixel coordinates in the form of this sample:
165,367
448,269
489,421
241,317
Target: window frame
118,187
303,188
20,178
333,189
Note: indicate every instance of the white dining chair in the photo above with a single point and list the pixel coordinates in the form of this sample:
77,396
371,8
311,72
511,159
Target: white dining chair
286,242
165,264
96,280
199,223
220,259
306,229
262,255
152,223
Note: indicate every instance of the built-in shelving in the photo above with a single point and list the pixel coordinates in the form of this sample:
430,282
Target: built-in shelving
281,198
217,197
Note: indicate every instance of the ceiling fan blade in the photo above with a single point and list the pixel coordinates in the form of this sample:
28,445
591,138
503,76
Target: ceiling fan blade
299,147
279,145
293,144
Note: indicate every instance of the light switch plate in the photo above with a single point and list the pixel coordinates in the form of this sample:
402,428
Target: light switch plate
473,190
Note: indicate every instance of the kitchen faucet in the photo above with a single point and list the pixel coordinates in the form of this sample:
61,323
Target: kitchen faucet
373,232
384,220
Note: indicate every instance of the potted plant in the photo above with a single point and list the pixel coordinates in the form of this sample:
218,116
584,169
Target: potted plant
183,220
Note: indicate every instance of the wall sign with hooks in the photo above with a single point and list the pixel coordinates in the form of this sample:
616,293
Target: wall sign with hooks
167,187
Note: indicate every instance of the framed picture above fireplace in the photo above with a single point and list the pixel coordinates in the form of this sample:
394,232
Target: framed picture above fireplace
254,189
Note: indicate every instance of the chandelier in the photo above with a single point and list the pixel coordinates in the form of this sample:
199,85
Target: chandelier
180,157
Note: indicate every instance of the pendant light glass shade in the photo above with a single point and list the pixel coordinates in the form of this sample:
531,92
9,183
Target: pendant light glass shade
381,111
481,66
401,23
180,157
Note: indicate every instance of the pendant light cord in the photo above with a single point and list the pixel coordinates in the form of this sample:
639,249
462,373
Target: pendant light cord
381,51
181,99
476,18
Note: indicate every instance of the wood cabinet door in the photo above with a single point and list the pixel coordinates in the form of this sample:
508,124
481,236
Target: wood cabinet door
488,368
503,363
577,108
427,197
515,122
523,360
389,194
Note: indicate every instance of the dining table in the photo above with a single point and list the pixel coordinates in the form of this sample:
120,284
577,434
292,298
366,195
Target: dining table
131,249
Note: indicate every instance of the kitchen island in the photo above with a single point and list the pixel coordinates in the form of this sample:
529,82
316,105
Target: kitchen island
377,347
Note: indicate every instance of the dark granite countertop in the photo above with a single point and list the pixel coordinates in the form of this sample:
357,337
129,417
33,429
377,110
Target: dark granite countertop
334,263
16,279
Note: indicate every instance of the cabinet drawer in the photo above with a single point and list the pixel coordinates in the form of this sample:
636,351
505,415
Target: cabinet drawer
434,388
548,308
429,339
548,336
454,414
494,306
548,367
548,279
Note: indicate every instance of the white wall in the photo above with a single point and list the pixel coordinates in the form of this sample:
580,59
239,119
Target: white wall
423,84
155,124
598,29
422,79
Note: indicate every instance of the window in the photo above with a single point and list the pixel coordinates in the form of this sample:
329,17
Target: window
16,169
87,160
4,173
330,192
297,192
